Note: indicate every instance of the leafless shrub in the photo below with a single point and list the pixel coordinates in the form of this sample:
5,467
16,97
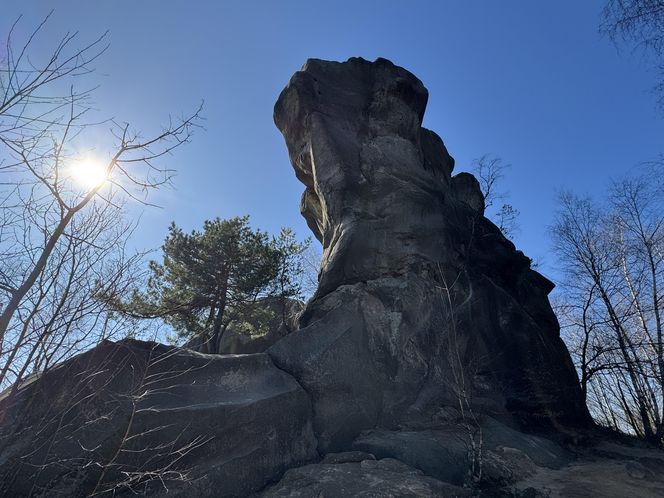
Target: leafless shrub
490,172
463,368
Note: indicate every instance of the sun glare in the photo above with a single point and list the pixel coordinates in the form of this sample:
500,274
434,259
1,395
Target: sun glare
89,173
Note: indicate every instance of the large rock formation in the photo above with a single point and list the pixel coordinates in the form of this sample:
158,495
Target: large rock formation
422,302
428,363
142,416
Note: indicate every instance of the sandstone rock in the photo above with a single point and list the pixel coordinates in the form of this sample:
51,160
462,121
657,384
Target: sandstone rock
444,452
442,455
416,286
542,451
128,412
369,478
504,466
347,457
597,477
466,188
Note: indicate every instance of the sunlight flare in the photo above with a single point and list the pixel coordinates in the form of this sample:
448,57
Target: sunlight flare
89,172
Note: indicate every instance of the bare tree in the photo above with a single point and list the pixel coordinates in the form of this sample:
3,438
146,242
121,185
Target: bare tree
310,260
490,172
463,368
61,213
640,22
613,257
156,454
61,315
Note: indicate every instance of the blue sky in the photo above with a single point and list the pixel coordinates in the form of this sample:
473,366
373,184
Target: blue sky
531,82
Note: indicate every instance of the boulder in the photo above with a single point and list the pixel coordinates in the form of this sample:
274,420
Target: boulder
446,452
466,188
443,455
138,416
347,457
368,478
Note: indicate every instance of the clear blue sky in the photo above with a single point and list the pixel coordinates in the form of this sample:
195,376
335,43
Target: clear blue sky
531,82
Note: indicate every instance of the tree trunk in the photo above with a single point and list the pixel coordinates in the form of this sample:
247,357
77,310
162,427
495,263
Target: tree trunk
19,294
217,330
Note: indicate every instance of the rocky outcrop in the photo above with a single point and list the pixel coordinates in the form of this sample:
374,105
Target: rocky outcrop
422,302
142,416
428,362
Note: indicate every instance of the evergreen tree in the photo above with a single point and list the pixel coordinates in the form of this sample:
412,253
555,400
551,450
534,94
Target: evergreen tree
209,278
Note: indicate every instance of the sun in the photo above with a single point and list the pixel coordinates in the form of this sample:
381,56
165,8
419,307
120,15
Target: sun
89,172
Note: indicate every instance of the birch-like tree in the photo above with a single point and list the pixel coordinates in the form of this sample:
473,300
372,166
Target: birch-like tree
613,301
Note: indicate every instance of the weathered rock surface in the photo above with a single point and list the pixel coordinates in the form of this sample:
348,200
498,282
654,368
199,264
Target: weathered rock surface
421,299
444,452
129,412
607,470
368,478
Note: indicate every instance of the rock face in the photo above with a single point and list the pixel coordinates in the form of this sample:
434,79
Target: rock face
128,412
422,301
367,478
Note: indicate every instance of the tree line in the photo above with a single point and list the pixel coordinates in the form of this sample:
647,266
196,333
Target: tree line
612,304
611,253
